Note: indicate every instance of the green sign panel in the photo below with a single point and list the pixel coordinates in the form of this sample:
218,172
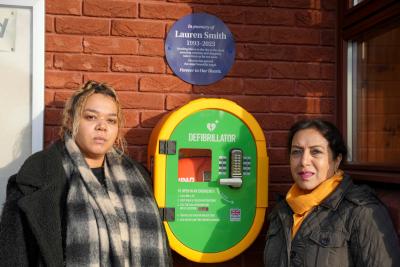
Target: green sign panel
210,217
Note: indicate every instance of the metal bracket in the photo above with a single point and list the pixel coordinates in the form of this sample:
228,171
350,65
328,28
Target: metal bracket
167,214
167,147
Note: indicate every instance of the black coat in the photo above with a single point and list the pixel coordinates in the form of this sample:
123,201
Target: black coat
349,228
31,221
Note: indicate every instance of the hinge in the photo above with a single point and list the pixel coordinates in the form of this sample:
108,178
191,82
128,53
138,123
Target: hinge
167,147
167,214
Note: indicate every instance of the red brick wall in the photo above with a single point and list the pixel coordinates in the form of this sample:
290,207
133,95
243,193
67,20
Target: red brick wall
284,68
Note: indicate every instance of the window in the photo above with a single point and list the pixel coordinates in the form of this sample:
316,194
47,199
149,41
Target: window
194,165
369,87
354,3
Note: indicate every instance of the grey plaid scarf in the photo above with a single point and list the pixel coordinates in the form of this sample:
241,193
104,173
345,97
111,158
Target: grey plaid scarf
113,225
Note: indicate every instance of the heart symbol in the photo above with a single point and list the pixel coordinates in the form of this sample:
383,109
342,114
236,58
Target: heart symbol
211,126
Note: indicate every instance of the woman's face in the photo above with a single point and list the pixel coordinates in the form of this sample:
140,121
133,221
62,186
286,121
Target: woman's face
98,128
311,159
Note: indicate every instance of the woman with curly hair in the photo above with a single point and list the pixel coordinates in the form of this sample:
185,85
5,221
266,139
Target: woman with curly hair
82,201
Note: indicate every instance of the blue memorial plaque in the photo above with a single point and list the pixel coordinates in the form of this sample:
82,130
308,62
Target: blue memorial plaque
200,49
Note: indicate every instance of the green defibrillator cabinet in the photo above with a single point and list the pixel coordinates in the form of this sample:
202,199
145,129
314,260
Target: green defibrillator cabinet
209,165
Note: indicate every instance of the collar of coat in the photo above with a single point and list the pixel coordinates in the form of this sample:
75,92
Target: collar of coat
333,201
357,194
42,181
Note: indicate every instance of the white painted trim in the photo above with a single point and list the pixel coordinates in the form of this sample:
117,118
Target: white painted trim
350,100
38,59
37,66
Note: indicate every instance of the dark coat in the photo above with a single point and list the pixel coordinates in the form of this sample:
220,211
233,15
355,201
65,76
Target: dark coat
350,228
32,227
31,221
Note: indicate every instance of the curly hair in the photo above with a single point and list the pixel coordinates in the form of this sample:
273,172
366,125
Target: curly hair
73,110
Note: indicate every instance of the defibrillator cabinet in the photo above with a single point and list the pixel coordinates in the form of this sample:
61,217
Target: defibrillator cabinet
209,165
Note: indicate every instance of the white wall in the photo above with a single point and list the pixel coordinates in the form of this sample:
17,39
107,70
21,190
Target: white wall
21,89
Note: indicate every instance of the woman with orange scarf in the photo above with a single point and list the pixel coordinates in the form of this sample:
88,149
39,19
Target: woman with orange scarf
326,220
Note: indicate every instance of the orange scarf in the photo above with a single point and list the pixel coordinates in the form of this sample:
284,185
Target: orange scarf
302,203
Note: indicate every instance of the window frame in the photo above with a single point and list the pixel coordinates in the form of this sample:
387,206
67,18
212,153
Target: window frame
352,23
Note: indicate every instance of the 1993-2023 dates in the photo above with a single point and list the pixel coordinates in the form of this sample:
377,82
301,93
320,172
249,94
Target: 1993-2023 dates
200,43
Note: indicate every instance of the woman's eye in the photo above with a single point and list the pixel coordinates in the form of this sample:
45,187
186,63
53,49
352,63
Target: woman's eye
295,152
112,121
315,152
90,117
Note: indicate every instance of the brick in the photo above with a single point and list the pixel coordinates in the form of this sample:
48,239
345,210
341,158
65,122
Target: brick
315,54
250,257
131,118
270,16
63,43
119,81
302,105
278,156
294,3
48,98
49,23
279,189
169,70
250,69
328,37
177,100
288,105
270,122
149,119
251,103
151,47
138,64
53,116
137,136
138,153
316,18
48,60
60,79
138,28
329,4
268,87
328,20
308,18
328,71
295,70
110,45
227,15
50,134
80,62
315,88
266,52
226,86
295,36
165,84
227,2
278,138
163,10
81,25
61,97
253,34
280,174
141,100
197,1
70,7
114,9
